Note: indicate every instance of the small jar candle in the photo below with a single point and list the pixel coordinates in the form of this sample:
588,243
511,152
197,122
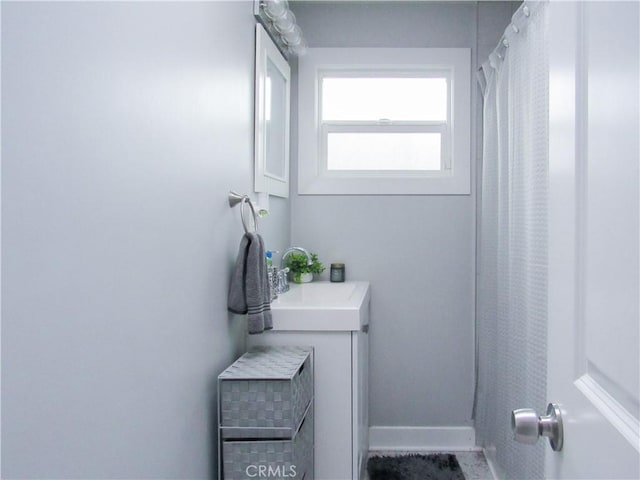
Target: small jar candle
337,272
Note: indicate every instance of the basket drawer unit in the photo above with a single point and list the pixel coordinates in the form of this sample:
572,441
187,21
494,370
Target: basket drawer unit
266,393
276,459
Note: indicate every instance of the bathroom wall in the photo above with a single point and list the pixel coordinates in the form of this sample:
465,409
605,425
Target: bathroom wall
125,124
418,252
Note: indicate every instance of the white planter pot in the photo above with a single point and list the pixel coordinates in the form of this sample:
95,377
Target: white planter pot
304,278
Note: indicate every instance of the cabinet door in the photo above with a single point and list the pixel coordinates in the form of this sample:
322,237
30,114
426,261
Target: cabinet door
333,450
360,398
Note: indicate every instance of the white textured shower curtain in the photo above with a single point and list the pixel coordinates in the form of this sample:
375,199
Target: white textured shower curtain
512,283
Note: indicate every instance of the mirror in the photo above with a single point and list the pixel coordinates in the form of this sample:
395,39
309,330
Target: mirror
273,78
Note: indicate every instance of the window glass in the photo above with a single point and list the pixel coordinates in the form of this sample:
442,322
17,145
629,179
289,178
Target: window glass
413,151
373,99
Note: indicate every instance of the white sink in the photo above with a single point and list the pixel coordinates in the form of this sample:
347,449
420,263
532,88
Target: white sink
322,306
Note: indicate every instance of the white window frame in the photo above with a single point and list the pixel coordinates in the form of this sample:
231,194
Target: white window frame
314,178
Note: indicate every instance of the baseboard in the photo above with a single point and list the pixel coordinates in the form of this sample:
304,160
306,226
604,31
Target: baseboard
492,461
422,438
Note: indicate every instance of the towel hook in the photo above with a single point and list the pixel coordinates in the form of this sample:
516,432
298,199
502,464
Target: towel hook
234,199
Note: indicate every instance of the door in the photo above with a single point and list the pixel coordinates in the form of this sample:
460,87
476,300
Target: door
593,364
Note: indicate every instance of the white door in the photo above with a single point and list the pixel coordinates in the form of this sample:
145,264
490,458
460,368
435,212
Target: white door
593,364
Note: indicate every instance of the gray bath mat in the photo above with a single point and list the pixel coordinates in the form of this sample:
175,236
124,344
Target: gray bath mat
438,466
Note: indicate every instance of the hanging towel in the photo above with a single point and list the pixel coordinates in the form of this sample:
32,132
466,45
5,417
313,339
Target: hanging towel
249,289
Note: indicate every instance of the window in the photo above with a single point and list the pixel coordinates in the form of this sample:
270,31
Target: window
388,121
384,121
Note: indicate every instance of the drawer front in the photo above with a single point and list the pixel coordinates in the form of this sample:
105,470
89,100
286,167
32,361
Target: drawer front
277,459
273,408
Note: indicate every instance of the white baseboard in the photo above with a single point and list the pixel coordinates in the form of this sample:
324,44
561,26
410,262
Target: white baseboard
490,455
422,438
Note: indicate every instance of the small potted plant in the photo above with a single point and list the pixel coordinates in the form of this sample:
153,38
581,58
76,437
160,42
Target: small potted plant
300,271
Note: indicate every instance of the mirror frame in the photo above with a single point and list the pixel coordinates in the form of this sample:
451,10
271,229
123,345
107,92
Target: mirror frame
266,51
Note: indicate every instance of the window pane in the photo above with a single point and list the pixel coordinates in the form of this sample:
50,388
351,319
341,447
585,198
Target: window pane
383,151
410,99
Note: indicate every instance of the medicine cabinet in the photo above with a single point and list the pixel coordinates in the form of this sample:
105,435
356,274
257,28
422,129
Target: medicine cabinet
272,90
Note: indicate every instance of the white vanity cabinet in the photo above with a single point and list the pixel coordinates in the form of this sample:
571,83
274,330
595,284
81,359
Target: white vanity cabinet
341,386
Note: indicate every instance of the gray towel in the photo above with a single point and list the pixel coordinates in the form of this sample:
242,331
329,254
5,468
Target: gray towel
249,289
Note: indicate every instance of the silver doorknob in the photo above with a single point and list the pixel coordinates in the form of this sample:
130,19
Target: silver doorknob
527,426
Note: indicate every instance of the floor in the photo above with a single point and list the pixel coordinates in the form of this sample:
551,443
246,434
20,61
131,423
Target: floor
474,464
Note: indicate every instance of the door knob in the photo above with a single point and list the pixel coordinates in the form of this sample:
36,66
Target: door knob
527,426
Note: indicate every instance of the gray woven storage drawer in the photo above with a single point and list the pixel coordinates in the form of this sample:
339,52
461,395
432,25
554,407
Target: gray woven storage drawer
265,393
292,458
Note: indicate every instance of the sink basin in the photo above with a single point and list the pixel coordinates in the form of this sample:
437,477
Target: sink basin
322,306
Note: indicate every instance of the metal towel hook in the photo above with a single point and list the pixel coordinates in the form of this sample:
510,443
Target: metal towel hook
235,199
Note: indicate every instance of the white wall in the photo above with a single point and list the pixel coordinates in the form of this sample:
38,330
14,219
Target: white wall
417,251
124,127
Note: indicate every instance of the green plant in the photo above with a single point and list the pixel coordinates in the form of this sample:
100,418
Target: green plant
297,264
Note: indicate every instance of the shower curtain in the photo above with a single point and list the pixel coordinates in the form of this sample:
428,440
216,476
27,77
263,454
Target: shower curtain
512,263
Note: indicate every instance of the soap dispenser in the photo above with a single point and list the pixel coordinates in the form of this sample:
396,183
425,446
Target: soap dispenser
272,275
